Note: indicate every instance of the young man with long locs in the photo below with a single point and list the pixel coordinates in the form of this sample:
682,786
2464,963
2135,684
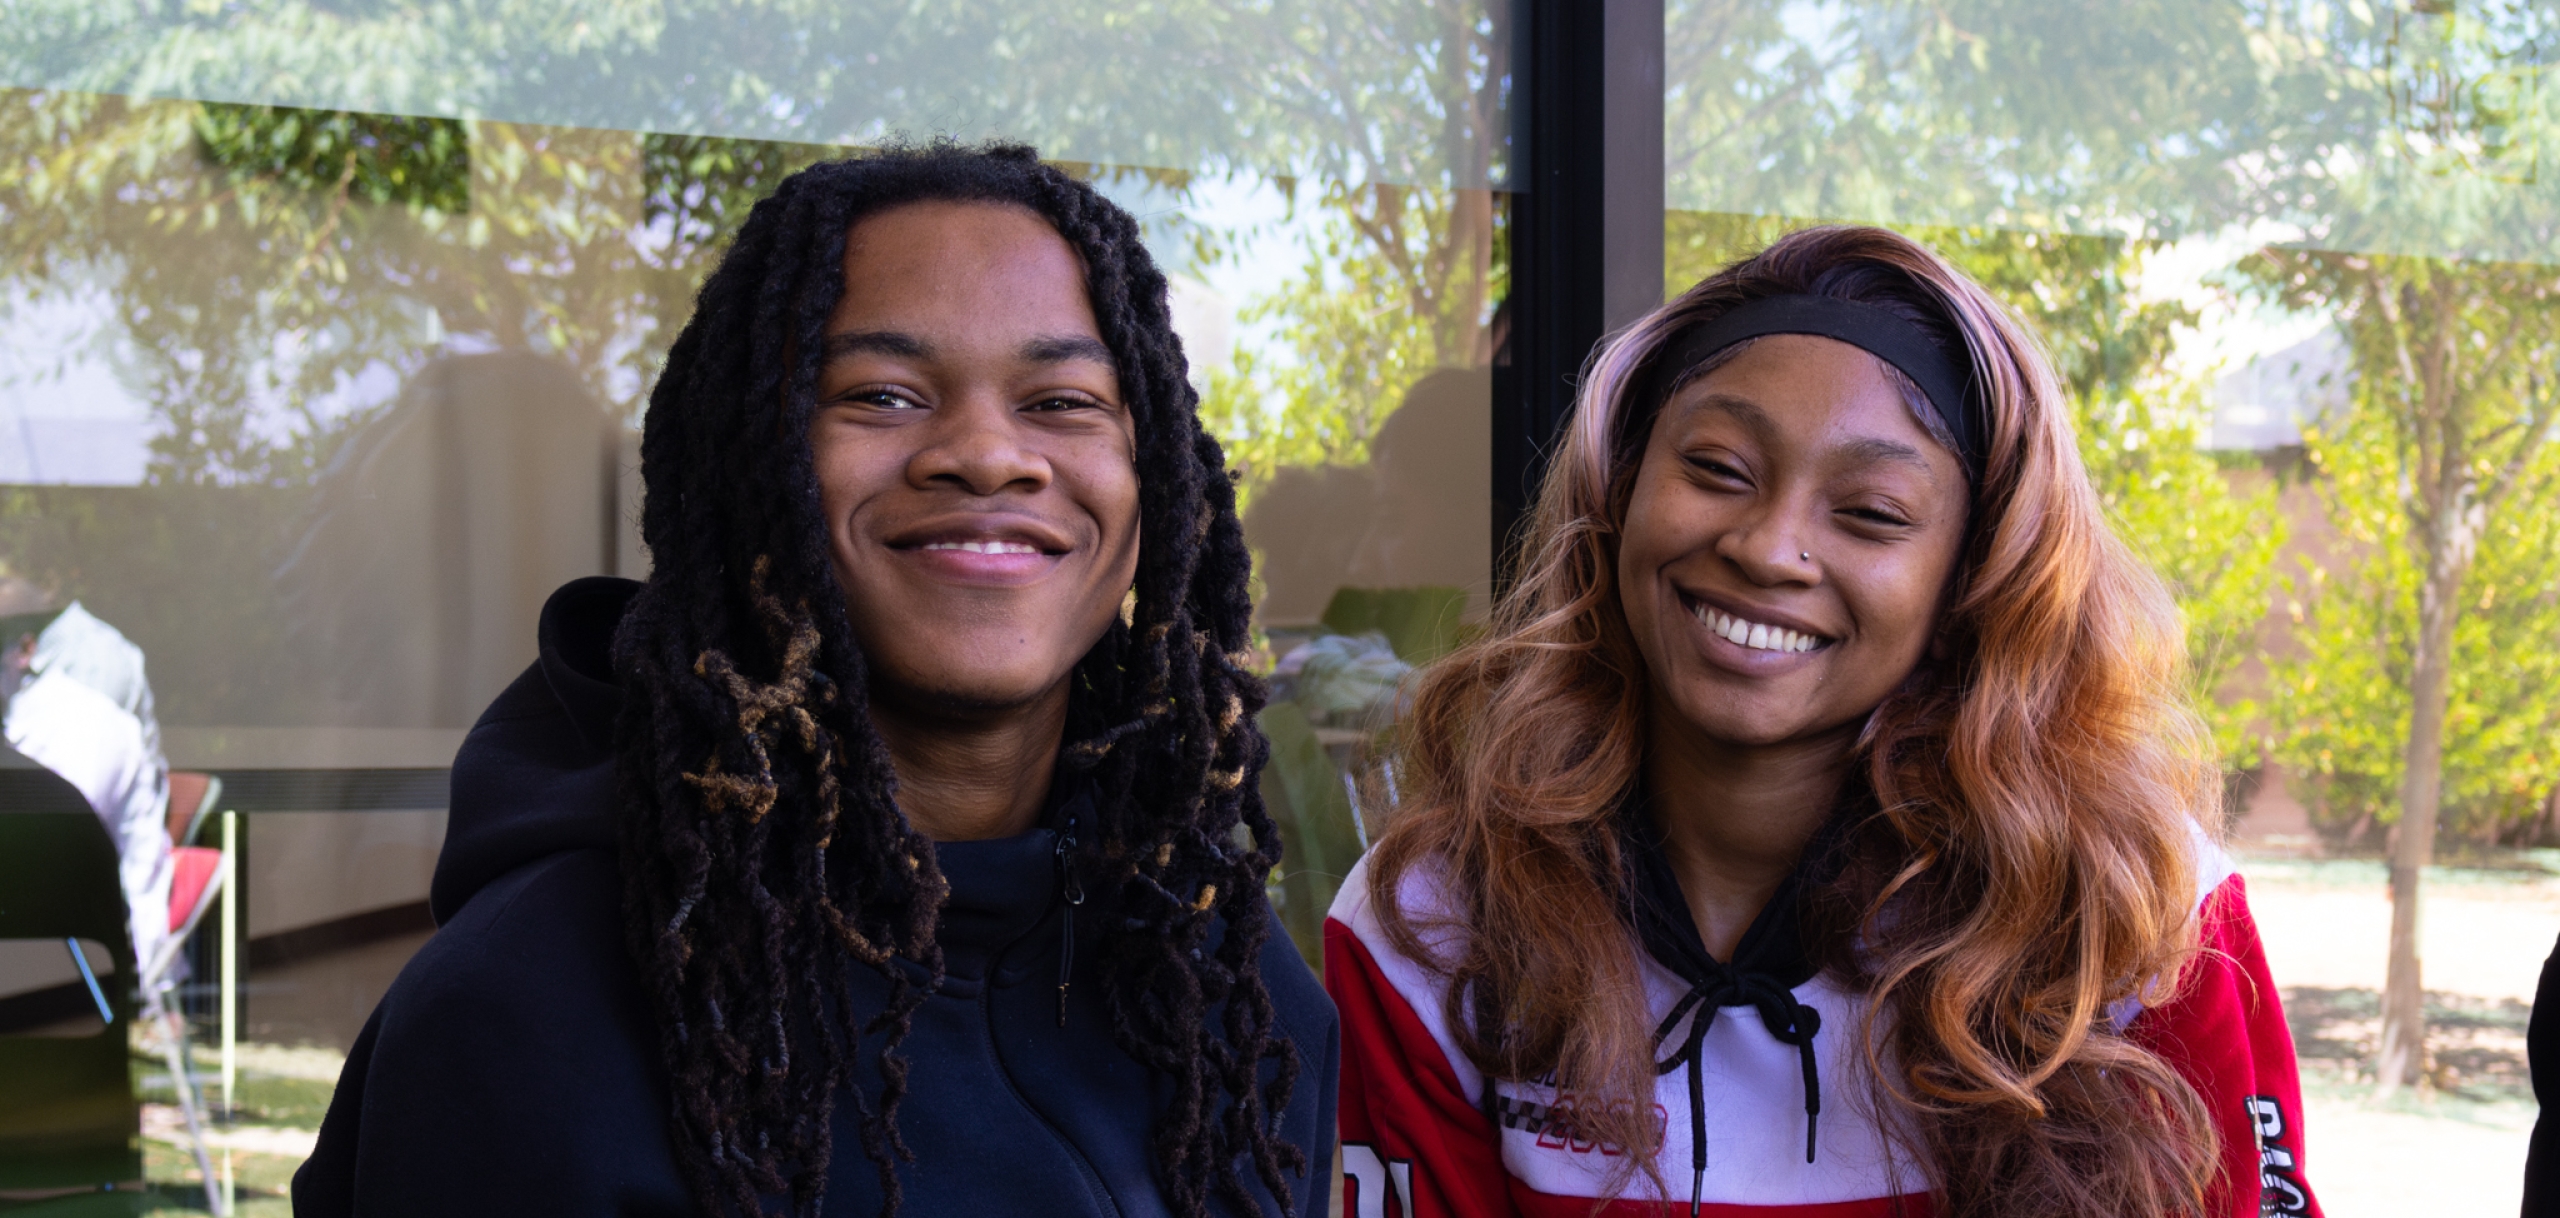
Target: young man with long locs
895,848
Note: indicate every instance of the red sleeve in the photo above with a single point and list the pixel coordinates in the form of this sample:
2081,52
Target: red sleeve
2226,1034
1414,1144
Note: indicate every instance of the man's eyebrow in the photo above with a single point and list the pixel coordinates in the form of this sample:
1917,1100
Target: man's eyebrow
1063,348
874,342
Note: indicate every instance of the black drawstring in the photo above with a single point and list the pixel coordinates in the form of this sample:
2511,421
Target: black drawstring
1071,890
1789,1022
1767,965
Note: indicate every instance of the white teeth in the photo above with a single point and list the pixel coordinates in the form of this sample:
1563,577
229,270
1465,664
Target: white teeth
984,547
1755,635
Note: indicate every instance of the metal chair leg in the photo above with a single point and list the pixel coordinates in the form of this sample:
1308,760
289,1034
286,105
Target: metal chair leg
173,1031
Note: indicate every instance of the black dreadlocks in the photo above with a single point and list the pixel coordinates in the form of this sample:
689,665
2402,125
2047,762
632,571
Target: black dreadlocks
764,855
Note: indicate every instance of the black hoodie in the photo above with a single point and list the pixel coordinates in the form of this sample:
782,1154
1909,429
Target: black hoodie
514,1066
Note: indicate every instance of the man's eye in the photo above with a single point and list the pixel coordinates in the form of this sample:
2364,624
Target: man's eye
885,399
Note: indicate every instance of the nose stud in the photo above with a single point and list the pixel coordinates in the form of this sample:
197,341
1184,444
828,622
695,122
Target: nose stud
1804,556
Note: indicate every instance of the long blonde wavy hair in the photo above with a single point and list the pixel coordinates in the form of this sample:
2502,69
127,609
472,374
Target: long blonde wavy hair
2038,786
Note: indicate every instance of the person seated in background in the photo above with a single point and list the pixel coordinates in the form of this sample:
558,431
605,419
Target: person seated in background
897,847
78,704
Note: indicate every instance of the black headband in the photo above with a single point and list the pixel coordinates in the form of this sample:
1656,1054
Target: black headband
1944,377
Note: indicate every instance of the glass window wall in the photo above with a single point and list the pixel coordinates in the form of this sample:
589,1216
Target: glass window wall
2296,262
329,332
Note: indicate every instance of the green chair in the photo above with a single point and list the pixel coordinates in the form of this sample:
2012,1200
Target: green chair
1423,624
1310,800
70,1131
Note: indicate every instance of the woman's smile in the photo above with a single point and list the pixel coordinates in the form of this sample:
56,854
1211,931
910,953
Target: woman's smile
1753,630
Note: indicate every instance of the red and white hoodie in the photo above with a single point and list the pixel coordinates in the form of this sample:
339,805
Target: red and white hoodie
1417,1143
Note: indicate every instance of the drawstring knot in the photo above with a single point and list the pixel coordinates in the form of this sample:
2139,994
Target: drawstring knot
1789,1023
1768,964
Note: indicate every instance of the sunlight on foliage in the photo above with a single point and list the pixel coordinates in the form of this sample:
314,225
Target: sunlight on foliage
2459,357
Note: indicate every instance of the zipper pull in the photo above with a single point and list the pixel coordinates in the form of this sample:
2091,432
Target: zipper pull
1072,888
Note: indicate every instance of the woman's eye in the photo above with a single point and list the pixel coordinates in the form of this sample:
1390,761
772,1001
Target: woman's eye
885,399
1880,516
1716,468
1062,402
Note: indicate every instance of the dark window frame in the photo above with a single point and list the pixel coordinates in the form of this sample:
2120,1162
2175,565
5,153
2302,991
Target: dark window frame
1586,224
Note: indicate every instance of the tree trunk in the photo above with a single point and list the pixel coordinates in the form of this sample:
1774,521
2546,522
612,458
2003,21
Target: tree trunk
2444,533
2403,1060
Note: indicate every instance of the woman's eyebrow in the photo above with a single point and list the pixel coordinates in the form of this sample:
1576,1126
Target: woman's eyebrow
1866,450
1742,409
874,342
1872,450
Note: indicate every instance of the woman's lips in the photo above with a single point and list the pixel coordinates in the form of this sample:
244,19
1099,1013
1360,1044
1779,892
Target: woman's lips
1757,636
1749,647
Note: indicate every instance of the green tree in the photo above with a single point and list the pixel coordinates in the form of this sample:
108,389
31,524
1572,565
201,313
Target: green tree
2448,319
1396,282
1340,90
258,259
2422,131
1402,268
2424,679
2160,117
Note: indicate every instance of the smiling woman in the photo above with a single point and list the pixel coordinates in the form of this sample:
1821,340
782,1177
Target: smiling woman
1826,699
871,840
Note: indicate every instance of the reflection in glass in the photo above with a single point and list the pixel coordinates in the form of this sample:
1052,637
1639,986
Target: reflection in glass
2298,264
55,987
320,375
1336,90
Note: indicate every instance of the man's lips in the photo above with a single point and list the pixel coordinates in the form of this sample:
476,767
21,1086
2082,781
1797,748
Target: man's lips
997,553
1007,534
982,547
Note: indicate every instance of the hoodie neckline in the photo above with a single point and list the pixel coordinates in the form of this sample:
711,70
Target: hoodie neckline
1005,888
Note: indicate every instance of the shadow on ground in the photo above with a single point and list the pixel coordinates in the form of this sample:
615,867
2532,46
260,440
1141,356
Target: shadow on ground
2475,1045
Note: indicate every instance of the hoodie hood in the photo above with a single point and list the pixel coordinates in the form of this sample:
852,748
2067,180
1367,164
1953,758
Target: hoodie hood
536,775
